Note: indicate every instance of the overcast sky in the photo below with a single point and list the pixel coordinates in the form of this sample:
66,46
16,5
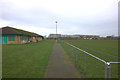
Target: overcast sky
85,17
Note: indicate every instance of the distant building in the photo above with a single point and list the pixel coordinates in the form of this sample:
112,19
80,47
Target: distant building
80,36
54,36
91,37
70,36
11,35
76,36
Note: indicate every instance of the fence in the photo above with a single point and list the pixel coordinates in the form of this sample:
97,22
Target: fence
107,68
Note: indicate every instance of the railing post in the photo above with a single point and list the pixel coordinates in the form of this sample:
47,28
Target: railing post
109,67
105,71
85,62
72,51
76,56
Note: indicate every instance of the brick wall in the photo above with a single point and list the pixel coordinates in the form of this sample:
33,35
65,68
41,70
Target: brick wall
17,40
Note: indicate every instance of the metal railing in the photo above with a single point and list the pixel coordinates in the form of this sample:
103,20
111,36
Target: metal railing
107,64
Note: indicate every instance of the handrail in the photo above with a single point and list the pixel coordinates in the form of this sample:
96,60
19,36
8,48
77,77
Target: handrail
86,52
114,62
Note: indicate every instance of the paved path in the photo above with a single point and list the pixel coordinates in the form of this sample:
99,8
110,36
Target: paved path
60,65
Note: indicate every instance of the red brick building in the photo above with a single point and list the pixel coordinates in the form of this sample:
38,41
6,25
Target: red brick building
17,36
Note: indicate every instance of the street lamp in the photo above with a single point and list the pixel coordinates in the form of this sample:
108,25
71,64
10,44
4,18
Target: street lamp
56,29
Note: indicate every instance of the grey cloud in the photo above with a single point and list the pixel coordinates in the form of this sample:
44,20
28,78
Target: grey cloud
104,23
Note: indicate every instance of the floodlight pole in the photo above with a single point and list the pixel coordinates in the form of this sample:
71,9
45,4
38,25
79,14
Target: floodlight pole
56,29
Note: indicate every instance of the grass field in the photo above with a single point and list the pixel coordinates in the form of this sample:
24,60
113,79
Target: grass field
104,49
26,60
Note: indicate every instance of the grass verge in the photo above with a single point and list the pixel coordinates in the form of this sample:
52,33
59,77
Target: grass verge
26,60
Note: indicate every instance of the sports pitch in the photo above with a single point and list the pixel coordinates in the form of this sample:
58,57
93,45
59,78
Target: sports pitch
104,49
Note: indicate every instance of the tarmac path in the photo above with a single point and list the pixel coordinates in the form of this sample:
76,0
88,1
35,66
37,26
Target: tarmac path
60,65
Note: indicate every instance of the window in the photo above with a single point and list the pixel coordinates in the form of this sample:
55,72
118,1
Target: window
0,39
23,38
11,38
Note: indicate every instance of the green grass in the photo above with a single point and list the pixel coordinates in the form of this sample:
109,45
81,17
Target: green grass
26,60
104,49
